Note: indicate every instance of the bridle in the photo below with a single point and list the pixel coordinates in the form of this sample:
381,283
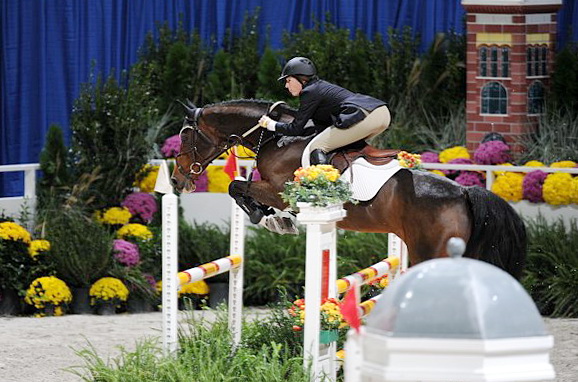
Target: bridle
196,167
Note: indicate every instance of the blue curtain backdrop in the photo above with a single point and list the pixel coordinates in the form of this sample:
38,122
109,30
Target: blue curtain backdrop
48,47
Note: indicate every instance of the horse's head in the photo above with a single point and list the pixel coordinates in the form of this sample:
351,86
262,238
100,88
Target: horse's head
207,133
200,144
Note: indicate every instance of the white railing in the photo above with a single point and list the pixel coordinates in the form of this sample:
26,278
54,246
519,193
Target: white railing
490,169
29,176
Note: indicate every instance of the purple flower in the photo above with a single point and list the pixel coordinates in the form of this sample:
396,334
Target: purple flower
256,174
126,252
492,152
470,178
430,157
457,161
171,146
532,186
150,279
141,205
202,183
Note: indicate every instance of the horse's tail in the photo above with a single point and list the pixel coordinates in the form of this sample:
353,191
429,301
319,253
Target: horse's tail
498,232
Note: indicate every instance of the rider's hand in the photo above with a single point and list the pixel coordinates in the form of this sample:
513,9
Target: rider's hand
267,123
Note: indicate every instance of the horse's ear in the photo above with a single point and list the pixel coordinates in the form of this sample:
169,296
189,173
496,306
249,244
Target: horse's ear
189,108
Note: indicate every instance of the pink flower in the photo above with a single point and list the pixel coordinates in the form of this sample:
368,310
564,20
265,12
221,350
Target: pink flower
470,178
492,152
430,157
141,205
532,186
457,161
171,146
126,252
202,183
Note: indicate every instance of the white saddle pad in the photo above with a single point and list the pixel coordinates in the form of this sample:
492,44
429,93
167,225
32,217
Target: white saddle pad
366,179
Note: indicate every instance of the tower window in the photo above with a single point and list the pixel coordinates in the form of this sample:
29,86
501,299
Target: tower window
536,98
494,98
494,61
537,60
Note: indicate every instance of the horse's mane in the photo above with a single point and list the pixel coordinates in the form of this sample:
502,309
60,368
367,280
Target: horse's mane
251,104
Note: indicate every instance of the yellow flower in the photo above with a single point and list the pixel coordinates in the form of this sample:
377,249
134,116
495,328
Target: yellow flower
115,215
48,291
498,173
13,231
453,153
409,160
509,186
563,164
38,246
147,177
199,287
108,288
134,229
218,179
575,189
245,152
438,172
534,163
558,189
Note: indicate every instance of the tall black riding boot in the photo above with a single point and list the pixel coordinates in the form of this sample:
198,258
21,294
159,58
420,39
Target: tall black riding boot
318,156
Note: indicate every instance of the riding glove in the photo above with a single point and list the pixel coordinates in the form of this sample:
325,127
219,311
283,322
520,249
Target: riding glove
267,123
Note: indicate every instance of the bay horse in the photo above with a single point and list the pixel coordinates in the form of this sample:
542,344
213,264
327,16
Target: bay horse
425,210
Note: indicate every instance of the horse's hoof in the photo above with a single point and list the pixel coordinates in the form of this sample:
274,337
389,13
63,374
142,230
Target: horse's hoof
256,216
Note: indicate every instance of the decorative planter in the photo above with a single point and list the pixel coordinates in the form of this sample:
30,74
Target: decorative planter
10,304
106,309
49,310
328,336
80,301
313,214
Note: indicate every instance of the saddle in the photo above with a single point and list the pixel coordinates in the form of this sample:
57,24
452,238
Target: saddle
343,157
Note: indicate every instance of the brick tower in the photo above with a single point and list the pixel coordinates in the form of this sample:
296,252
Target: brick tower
510,50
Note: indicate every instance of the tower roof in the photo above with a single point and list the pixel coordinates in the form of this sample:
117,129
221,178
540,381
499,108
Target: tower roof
456,298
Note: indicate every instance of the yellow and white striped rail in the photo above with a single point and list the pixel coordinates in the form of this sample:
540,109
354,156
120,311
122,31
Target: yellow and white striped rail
368,274
207,270
367,306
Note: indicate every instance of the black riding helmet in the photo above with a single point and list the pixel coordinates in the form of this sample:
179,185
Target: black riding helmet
298,66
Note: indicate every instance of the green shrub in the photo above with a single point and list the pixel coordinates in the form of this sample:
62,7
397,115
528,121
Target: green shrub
80,247
551,275
54,165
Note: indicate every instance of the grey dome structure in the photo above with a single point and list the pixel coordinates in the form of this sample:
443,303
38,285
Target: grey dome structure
456,298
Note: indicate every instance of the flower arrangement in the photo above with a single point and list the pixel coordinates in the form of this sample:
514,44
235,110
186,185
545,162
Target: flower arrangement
198,288
113,216
558,189
136,230
108,290
534,163
455,173
218,179
126,252
48,293
453,153
532,186
471,178
430,157
319,185
509,186
171,146
38,247
13,231
147,177
141,205
331,318
492,152
563,164
409,160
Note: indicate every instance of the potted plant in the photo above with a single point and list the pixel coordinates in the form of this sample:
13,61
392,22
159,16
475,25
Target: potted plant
106,294
49,295
331,319
318,186
81,249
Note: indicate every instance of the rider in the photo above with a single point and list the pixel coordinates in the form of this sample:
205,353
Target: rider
340,116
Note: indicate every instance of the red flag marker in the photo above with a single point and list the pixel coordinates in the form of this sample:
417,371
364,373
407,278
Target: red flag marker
350,308
231,167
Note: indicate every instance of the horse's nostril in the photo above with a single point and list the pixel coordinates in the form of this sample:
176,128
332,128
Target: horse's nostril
173,181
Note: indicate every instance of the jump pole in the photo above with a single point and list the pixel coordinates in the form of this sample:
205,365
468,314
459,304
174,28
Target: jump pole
320,277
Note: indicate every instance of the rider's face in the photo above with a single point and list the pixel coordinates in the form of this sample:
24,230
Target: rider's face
293,86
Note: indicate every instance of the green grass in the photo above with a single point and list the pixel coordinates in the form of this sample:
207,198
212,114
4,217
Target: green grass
206,355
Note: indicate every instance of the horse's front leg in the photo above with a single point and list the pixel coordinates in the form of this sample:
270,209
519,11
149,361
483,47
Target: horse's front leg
256,198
